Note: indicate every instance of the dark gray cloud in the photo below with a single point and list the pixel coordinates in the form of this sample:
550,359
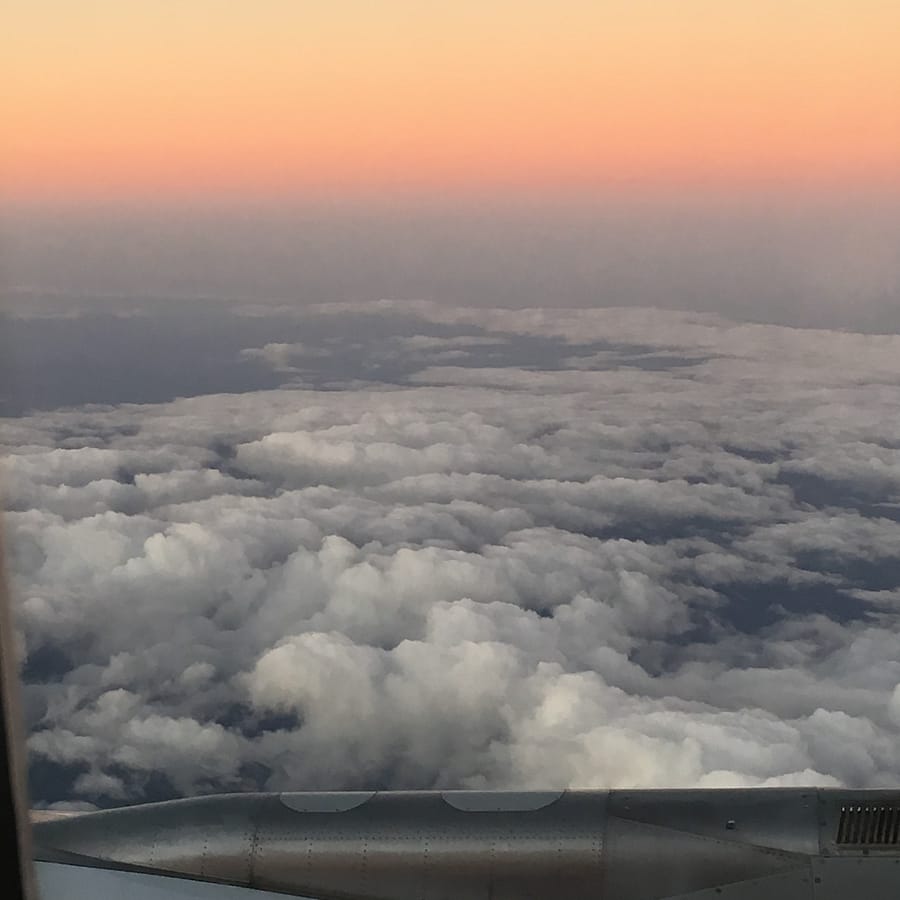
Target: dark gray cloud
662,553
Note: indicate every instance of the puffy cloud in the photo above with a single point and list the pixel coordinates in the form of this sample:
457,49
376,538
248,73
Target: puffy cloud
666,557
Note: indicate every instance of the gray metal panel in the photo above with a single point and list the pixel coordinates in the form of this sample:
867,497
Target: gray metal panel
417,847
863,878
784,818
796,885
649,862
210,837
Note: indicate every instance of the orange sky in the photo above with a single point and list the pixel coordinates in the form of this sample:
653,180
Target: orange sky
146,96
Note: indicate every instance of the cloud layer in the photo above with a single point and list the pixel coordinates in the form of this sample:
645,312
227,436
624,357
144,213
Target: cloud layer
666,554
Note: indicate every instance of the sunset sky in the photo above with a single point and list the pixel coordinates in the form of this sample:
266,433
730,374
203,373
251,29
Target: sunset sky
102,97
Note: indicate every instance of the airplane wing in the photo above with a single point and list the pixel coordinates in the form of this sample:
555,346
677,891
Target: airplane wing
743,844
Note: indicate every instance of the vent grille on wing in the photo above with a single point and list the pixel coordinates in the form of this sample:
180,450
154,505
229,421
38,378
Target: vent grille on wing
869,825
